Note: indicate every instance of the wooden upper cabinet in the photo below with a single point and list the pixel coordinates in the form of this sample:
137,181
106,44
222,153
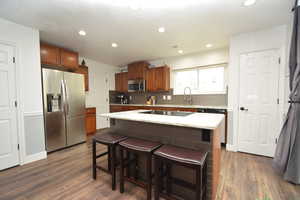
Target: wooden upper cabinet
150,80
69,59
158,79
50,55
58,58
121,82
137,70
85,71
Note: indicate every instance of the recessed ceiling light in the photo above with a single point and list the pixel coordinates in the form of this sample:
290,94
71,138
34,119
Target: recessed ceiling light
82,32
153,4
134,6
249,2
180,51
114,45
208,45
161,29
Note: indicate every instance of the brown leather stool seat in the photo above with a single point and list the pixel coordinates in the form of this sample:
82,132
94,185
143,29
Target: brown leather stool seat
137,147
181,155
110,139
140,145
168,155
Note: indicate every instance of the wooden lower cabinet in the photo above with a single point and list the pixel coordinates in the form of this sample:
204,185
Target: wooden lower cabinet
90,121
116,108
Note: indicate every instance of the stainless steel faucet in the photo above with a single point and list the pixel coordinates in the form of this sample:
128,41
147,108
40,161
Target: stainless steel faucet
186,98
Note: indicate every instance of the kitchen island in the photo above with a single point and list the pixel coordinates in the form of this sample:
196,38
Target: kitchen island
198,131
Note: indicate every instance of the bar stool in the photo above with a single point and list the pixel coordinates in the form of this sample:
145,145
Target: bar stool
168,155
140,147
110,139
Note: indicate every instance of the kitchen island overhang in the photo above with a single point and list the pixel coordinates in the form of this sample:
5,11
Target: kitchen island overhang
198,131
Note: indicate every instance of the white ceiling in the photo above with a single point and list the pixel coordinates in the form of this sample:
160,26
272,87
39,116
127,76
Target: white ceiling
135,31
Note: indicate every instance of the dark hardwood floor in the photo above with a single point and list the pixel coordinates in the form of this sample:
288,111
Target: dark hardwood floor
67,175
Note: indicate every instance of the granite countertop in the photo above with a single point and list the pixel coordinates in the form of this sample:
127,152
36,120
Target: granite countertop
172,106
194,120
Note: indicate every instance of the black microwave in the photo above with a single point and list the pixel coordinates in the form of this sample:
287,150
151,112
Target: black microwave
136,85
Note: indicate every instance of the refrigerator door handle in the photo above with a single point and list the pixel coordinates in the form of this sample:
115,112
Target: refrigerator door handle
62,88
66,98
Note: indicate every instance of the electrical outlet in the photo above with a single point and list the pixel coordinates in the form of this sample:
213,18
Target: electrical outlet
169,97
164,97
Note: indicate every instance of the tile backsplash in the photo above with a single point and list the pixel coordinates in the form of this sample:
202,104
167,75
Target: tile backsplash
141,98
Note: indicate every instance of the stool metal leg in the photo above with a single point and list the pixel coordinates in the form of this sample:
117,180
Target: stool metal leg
168,177
94,160
149,176
128,168
136,172
198,183
121,171
158,177
109,158
113,166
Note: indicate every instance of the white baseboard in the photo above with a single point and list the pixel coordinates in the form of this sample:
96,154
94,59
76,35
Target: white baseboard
230,147
35,157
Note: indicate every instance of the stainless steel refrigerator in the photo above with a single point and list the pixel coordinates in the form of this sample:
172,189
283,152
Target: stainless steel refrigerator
64,108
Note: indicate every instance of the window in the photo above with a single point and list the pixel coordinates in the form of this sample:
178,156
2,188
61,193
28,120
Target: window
202,80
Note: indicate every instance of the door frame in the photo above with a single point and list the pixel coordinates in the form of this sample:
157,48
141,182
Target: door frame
281,87
19,109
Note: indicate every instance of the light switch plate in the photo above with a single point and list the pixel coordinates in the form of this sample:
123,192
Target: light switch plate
164,97
169,97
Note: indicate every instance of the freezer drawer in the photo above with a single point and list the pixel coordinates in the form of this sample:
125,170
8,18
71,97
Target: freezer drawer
55,131
76,130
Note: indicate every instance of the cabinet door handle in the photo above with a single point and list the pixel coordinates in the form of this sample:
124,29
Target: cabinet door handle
243,109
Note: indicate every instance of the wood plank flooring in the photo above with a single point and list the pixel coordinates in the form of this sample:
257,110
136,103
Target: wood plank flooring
66,175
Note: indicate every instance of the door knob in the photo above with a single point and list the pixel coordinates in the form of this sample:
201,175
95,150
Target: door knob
243,109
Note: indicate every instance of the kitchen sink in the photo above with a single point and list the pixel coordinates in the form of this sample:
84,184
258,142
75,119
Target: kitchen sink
169,113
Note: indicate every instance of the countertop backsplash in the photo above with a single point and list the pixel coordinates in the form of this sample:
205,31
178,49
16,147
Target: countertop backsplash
141,98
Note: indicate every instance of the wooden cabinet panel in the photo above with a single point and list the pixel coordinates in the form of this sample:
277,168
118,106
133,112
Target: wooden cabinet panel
121,82
50,55
162,78
69,59
90,121
85,71
158,79
150,80
137,70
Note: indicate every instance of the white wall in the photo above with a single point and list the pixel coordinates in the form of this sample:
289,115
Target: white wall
98,94
274,38
204,58
26,41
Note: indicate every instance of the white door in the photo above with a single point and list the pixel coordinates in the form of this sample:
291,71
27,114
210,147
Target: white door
9,154
258,102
